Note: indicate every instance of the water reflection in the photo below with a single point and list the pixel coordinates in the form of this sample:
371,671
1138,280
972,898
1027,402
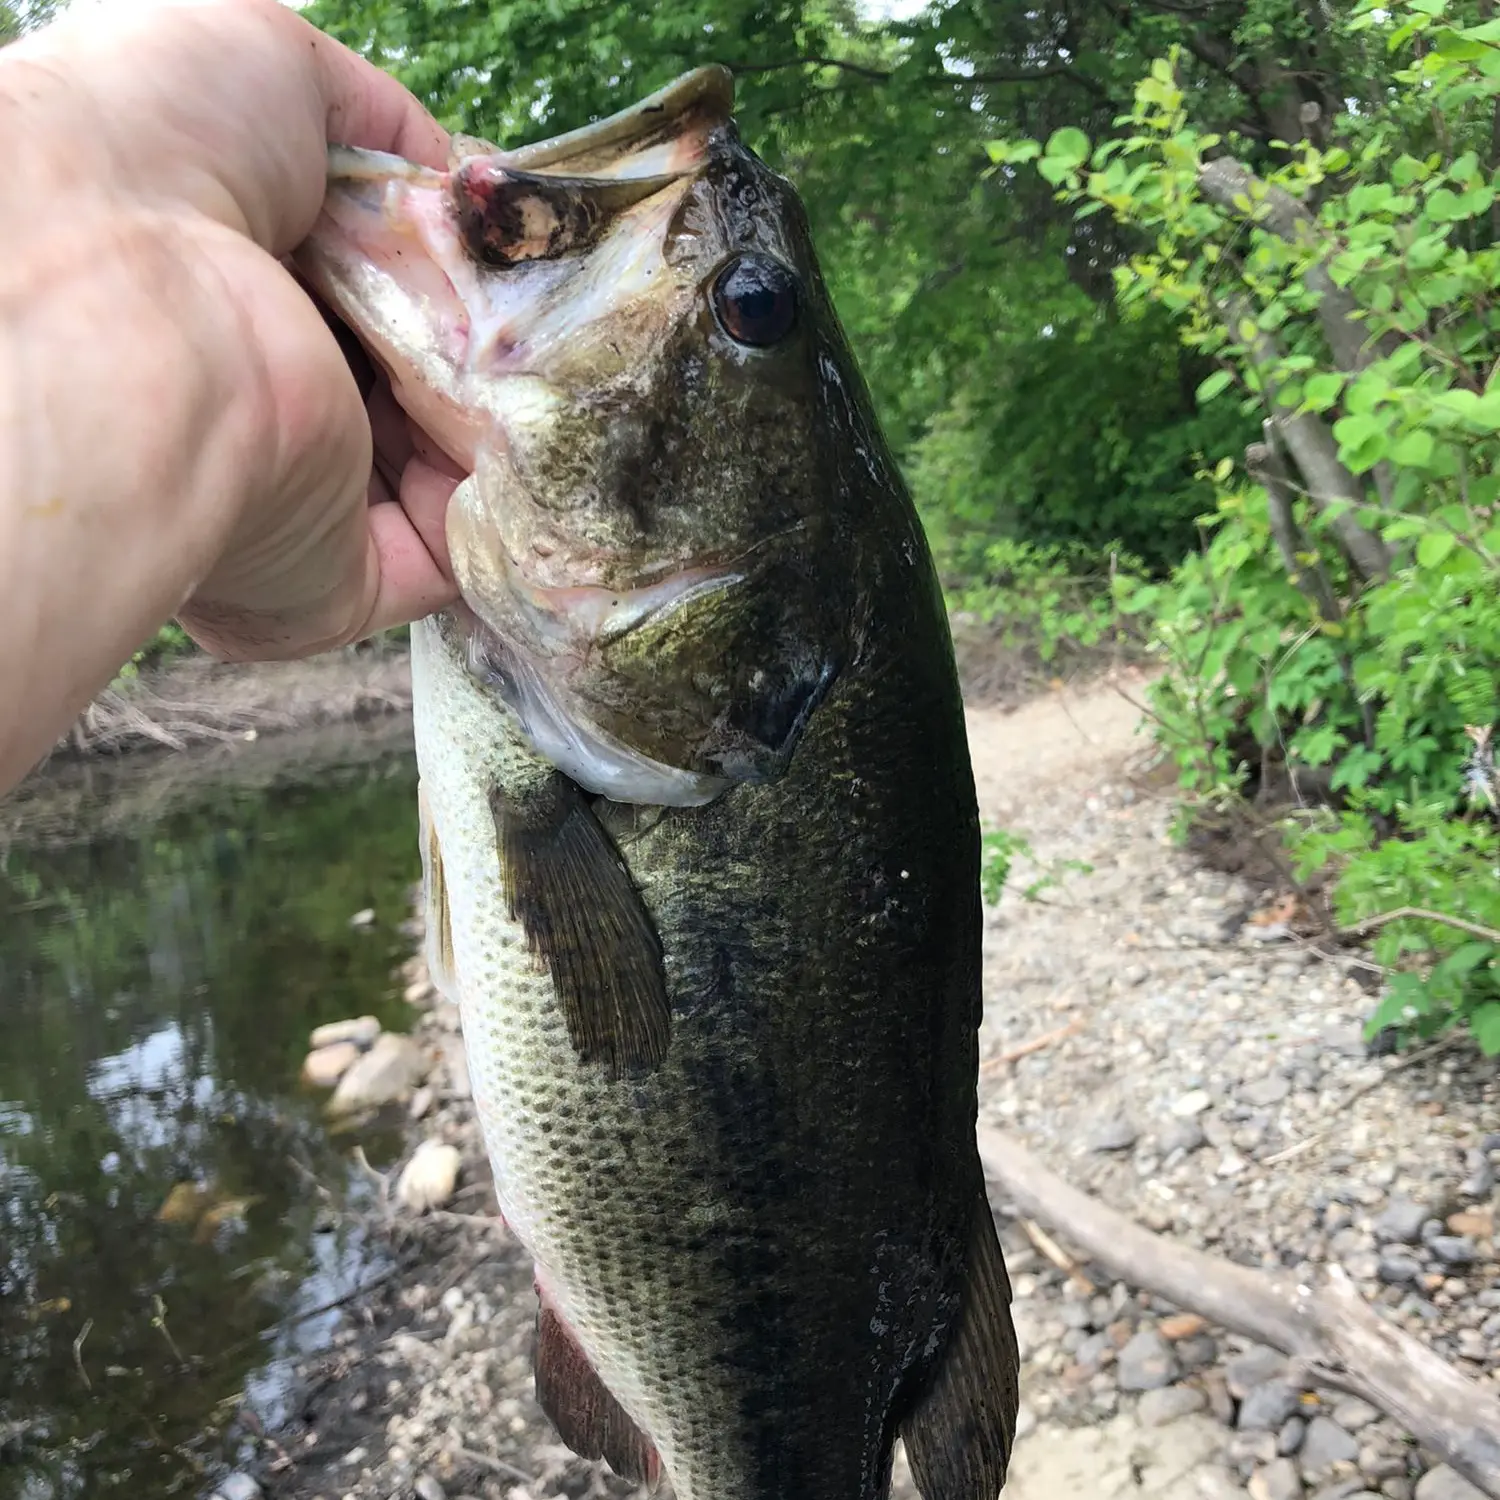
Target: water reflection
158,1215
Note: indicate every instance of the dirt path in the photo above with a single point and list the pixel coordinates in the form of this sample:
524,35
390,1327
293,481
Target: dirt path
1039,772
1195,1054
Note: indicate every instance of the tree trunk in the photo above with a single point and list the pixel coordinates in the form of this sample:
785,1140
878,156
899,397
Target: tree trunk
1264,465
1310,442
1235,188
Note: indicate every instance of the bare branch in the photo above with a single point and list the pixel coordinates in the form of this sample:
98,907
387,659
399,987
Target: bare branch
884,75
1421,913
1201,9
1264,465
1235,188
1240,191
1329,484
878,75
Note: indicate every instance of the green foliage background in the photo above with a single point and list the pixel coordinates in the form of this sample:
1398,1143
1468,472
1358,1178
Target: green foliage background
972,302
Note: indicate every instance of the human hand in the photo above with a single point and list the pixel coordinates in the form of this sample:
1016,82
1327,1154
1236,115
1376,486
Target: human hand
179,430
233,137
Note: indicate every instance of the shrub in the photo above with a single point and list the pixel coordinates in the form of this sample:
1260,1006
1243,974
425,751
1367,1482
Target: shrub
1339,632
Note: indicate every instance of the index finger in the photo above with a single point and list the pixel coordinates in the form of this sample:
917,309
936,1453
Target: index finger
368,107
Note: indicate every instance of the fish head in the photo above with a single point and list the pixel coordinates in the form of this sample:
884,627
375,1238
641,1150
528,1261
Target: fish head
623,336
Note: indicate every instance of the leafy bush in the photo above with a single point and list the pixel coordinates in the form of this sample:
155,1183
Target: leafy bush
1053,602
1001,850
1339,633
1020,452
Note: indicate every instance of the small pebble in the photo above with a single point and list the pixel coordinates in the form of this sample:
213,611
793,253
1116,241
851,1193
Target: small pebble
1268,1406
1116,1134
237,1486
1146,1363
1401,1222
1323,1445
1168,1404
1442,1483
1278,1480
1453,1249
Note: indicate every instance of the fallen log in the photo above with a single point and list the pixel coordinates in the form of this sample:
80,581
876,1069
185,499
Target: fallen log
1332,1335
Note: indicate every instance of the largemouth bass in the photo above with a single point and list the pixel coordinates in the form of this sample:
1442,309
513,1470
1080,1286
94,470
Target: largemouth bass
699,828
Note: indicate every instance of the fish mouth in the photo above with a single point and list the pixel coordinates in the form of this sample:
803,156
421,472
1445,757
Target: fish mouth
584,607
407,254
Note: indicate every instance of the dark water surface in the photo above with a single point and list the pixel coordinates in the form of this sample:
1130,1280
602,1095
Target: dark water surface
162,1235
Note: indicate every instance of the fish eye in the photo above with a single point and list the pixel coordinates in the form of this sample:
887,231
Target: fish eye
755,300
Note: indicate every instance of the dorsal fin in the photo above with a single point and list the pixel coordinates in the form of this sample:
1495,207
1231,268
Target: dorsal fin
570,889
588,1419
958,1438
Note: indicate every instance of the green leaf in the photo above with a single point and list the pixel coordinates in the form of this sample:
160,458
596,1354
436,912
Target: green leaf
1484,1022
1012,151
1210,387
1415,449
1357,429
1464,959
1484,414
1405,170
1456,47
1321,391
1069,146
1434,547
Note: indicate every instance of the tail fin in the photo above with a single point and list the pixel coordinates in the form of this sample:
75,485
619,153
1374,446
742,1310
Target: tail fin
959,1437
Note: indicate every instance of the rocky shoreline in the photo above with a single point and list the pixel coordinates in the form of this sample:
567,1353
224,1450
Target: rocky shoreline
1196,1071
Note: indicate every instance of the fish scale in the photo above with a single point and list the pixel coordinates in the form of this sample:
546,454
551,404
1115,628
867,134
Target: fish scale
704,883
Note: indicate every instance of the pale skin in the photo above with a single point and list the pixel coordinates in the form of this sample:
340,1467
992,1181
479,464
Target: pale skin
180,433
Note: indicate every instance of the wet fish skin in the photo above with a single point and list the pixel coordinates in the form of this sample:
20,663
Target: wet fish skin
739,1141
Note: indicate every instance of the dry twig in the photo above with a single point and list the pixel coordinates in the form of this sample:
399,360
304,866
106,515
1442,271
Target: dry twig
494,1465
1421,913
1026,1048
1057,1255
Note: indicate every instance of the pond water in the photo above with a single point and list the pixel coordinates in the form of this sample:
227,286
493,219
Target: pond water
164,1244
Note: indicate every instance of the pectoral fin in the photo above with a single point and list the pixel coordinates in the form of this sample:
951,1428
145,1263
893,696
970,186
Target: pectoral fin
571,891
588,1419
959,1437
